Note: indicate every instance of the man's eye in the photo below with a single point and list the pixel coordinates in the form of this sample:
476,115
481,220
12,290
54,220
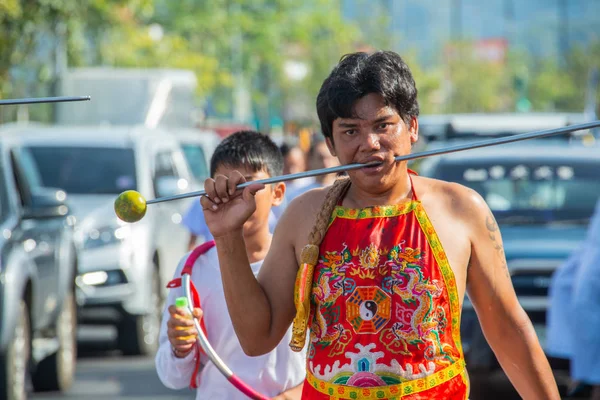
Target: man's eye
350,132
384,125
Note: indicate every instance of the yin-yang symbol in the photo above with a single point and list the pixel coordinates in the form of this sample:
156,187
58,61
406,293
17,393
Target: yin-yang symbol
367,310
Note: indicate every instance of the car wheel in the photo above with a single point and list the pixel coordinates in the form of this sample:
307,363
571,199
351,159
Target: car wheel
138,334
55,372
14,366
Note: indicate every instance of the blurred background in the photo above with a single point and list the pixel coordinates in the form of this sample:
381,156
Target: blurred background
82,293
261,62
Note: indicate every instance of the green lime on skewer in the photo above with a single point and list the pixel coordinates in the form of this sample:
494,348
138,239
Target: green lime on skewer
130,206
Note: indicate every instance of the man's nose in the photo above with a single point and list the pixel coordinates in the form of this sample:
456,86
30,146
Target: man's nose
371,141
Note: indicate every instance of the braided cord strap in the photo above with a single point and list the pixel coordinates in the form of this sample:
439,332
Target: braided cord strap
308,260
309,257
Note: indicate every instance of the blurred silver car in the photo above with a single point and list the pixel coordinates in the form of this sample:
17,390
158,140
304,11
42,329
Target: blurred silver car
38,262
124,268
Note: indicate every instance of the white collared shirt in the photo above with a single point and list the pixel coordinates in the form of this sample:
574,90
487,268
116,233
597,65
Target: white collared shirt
269,374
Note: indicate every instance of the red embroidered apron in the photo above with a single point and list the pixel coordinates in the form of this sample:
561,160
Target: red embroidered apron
385,312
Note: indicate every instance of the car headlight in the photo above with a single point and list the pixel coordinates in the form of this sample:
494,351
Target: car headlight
105,236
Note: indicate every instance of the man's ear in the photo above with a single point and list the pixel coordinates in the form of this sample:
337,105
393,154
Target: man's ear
413,129
278,193
330,146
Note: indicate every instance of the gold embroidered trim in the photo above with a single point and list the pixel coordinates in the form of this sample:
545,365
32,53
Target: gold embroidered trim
375,211
392,392
447,273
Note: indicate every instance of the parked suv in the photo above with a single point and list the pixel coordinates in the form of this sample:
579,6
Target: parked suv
123,268
542,194
456,128
38,262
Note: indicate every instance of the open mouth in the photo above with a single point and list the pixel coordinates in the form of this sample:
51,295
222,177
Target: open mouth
373,166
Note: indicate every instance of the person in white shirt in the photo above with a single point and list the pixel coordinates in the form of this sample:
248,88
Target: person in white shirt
278,374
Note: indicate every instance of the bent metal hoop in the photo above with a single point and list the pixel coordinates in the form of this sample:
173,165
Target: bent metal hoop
210,352
446,150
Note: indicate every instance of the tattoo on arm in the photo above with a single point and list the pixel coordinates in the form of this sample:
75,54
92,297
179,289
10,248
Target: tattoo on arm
493,231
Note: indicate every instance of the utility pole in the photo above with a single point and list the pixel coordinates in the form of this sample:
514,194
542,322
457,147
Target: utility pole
456,20
395,26
562,31
591,105
240,97
60,63
509,20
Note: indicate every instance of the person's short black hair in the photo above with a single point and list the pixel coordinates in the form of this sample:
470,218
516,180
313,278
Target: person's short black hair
359,74
285,149
248,148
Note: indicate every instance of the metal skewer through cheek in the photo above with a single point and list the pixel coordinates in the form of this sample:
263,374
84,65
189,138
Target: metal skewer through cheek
446,150
212,355
37,100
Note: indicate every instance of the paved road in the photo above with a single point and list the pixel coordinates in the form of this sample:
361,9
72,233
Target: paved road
103,374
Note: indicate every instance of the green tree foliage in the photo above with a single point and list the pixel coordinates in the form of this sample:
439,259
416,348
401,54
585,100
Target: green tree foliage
250,43
520,83
221,40
32,32
29,26
563,87
475,85
254,39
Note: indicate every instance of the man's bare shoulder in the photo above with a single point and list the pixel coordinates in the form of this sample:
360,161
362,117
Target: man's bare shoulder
313,199
462,201
298,219
304,207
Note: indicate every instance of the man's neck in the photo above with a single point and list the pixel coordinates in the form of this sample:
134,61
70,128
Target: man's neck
257,245
397,193
325,180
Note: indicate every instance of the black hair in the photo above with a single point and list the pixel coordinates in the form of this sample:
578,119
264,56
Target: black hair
359,74
248,148
285,149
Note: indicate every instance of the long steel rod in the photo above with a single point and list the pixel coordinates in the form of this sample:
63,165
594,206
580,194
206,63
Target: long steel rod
35,100
429,153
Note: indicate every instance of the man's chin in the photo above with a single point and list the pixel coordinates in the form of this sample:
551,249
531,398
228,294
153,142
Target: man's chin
371,184
371,176
374,184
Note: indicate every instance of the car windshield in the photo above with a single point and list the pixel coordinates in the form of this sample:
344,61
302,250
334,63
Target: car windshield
531,192
85,170
194,155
